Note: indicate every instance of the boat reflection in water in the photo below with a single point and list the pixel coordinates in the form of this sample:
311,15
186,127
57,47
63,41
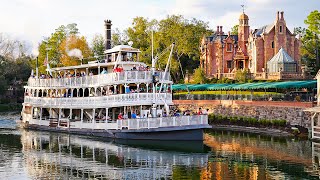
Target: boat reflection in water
315,170
65,156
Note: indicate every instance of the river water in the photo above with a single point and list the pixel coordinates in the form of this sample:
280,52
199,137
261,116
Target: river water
225,155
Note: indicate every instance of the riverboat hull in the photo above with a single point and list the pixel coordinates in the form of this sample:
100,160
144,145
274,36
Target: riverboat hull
183,133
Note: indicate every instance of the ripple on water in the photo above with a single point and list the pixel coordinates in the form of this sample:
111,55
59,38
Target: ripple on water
8,121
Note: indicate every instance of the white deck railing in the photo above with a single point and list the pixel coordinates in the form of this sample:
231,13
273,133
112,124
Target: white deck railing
102,79
139,123
100,101
174,121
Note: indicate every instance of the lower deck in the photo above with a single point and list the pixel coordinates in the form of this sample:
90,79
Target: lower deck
128,122
187,132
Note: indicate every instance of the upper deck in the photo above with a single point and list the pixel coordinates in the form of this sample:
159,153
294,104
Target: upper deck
120,66
124,77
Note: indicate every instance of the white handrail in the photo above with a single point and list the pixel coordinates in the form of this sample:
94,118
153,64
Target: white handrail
85,81
109,100
149,123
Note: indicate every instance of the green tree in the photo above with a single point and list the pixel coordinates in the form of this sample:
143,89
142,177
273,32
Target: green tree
234,30
241,76
199,77
173,29
313,22
51,45
98,45
310,49
118,38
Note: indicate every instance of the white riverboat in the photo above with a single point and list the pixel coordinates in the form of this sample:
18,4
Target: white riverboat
117,97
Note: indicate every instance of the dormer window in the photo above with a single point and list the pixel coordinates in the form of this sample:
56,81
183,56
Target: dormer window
280,29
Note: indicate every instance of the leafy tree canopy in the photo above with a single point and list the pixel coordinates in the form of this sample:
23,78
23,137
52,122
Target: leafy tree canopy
176,29
234,30
310,38
73,49
199,76
98,45
51,46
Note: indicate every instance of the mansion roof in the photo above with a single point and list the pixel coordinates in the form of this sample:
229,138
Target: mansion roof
215,37
263,29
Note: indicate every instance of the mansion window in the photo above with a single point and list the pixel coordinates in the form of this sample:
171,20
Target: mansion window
272,44
280,29
229,47
229,64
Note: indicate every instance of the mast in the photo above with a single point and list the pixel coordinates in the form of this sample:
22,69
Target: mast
155,79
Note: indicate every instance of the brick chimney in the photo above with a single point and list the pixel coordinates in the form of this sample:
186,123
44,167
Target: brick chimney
277,17
221,32
282,17
218,31
107,24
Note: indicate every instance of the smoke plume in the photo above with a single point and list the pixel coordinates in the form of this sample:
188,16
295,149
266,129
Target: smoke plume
75,53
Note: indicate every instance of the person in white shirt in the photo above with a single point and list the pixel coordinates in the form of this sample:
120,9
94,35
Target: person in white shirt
205,111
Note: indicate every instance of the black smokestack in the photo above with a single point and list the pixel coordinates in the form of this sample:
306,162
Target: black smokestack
107,24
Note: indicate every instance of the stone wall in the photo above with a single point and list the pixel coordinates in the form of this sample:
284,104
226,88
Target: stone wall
271,110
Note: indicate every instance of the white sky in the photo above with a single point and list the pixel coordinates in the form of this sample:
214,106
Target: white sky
32,20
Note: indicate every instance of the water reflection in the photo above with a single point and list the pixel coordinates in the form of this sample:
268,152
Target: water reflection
42,155
68,156
247,156
315,169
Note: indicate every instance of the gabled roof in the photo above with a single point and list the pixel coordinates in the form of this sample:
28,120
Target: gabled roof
263,29
282,57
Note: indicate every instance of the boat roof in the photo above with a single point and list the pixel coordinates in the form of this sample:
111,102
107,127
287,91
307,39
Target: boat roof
97,64
122,48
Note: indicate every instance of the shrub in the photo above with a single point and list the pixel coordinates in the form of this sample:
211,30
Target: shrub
233,120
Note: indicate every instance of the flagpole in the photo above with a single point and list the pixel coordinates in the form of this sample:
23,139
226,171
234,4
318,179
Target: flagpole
37,69
47,58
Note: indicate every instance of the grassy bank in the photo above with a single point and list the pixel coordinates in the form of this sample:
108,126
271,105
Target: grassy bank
247,121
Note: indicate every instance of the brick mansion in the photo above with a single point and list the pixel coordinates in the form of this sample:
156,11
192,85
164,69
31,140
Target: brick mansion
270,52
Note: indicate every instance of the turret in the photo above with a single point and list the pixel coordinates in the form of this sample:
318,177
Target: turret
243,31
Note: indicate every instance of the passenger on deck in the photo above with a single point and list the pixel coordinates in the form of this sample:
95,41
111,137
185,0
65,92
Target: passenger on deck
133,115
138,117
164,114
134,67
104,71
120,116
204,111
